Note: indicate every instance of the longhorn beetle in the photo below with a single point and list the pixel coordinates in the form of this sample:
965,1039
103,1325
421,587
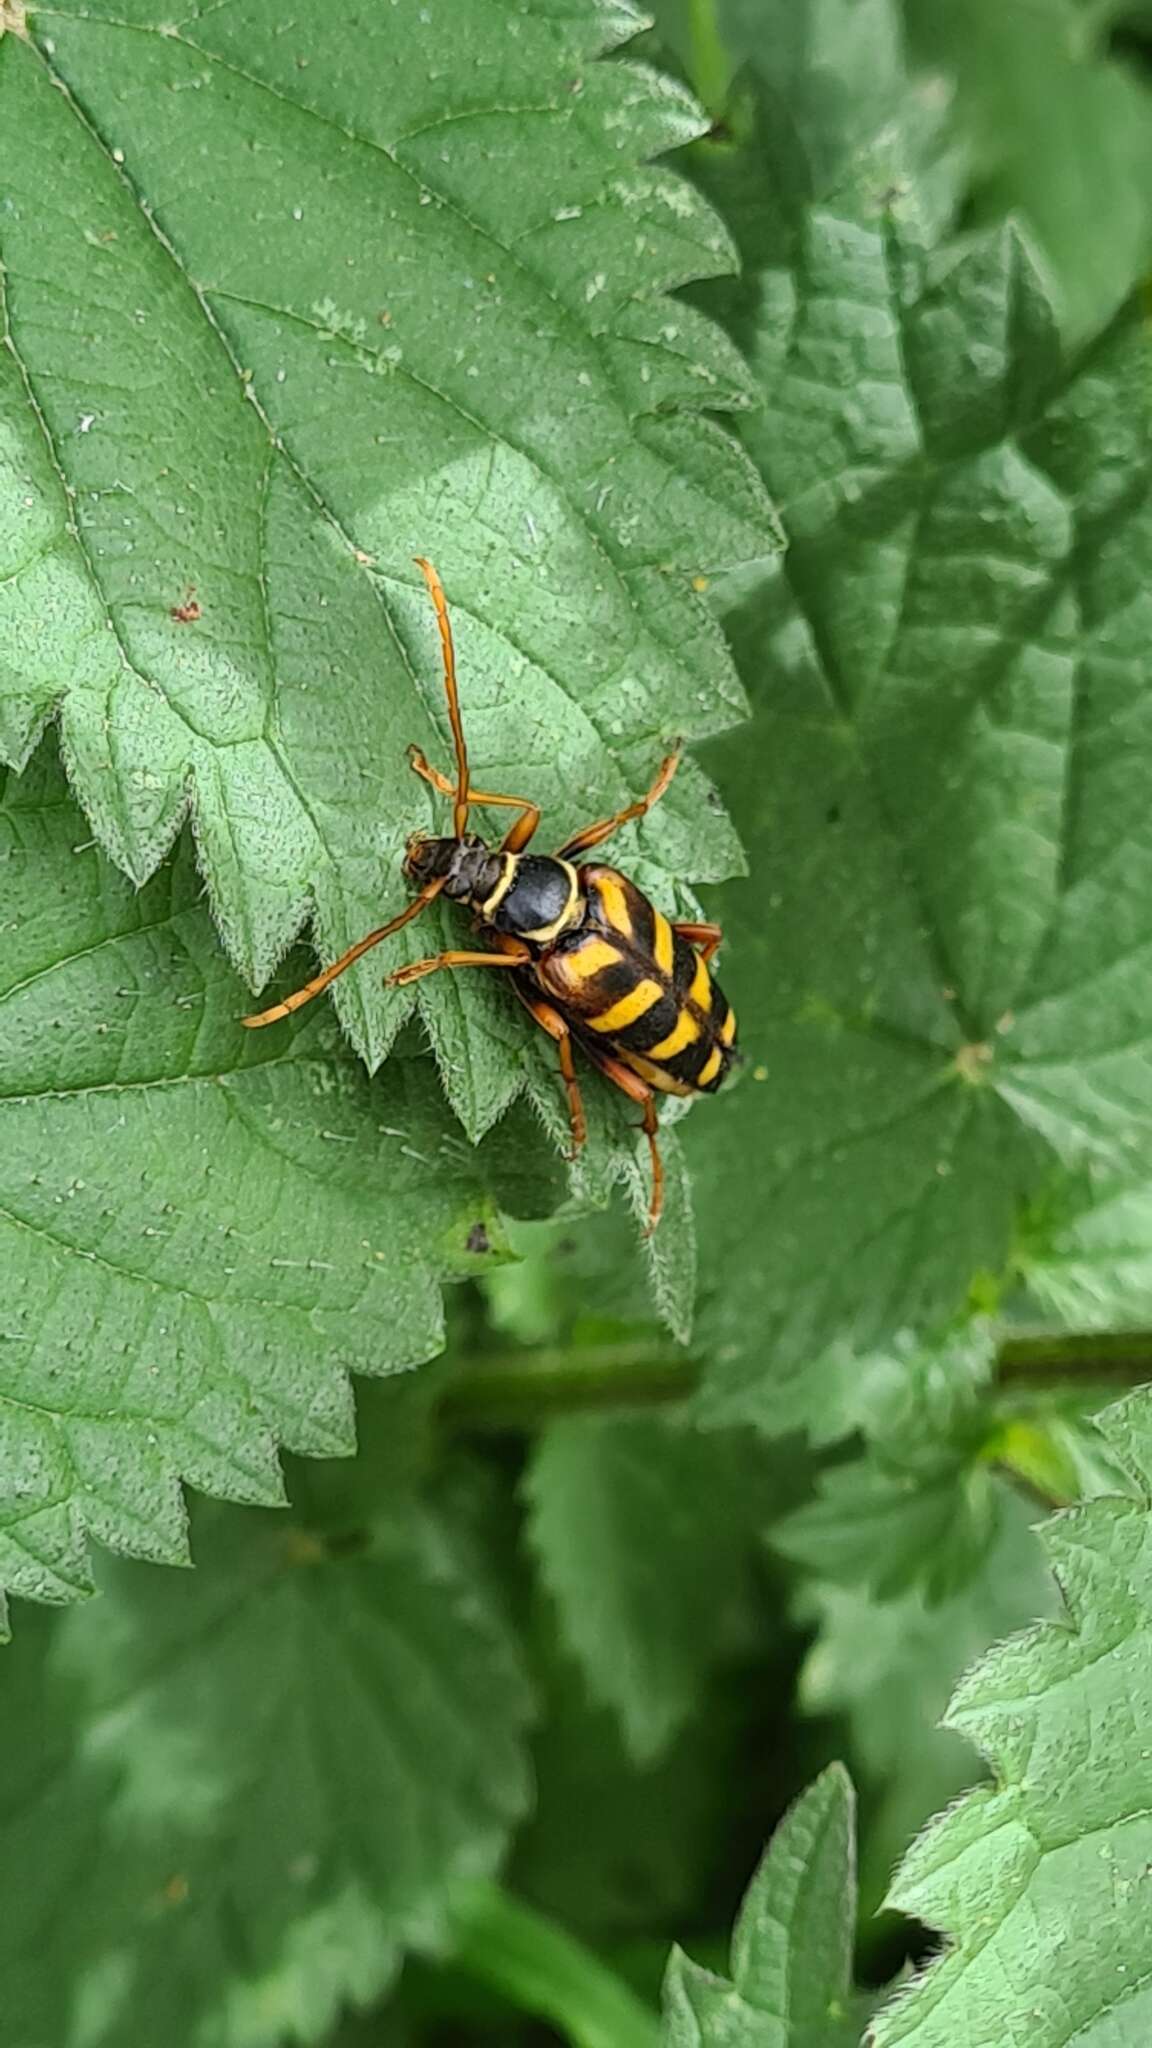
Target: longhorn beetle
588,955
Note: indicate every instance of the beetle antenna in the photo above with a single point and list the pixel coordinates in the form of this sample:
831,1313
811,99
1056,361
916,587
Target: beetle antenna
436,592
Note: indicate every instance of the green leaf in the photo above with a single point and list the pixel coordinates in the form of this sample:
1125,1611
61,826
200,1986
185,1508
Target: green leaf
1040,1878
651,1584
943,963
578,1284
807,57
665,1266
269,337
1087,1260
792,1945
1040,108
1058,131
614,1848
889,1530
889,1667
202,1233
230,1799
920,1506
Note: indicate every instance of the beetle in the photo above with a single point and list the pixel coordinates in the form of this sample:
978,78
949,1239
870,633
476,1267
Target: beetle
588,955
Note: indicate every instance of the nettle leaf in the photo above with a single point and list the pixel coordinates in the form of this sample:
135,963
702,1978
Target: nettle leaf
943,962
653,1587
231,1799
792,1945
600,1282
281,311
1087,1261
202,1233
664,1262
1040,1879
888,1667
1059,129
611,1848
1043,110
919,1506
889,1529
807,58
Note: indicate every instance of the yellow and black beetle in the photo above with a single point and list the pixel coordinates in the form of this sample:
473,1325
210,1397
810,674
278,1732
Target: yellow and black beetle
589,955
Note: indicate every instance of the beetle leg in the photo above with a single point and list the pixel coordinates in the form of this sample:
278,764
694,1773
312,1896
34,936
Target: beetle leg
623,1078
513,954
650,1129
320,982
521,829
706,936
555,1025
594,835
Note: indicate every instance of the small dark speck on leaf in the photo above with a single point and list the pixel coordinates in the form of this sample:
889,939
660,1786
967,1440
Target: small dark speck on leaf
832,815
478,1240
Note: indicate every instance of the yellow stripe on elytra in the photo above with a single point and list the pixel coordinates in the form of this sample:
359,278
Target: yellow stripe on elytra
684,1032
663,944
614,904
728,1028
635,1004
589,958
668,1084
711,1067
700,992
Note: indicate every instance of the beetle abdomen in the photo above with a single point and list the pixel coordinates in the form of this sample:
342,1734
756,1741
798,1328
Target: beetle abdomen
635,987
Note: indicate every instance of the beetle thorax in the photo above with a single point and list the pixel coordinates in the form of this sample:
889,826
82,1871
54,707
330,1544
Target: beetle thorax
536,898
532,895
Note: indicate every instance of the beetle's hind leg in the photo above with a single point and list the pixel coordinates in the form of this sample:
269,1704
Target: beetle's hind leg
555,1025
614,1070
707,937
631,1085
650,1128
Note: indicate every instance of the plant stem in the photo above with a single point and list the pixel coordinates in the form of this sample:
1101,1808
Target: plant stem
1121,1356
515,1389
709,65
545,1971
523,1387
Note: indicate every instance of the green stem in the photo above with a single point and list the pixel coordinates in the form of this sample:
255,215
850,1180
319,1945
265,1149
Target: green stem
519,1388
543,1970
523,1388
1044,1355
710,69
